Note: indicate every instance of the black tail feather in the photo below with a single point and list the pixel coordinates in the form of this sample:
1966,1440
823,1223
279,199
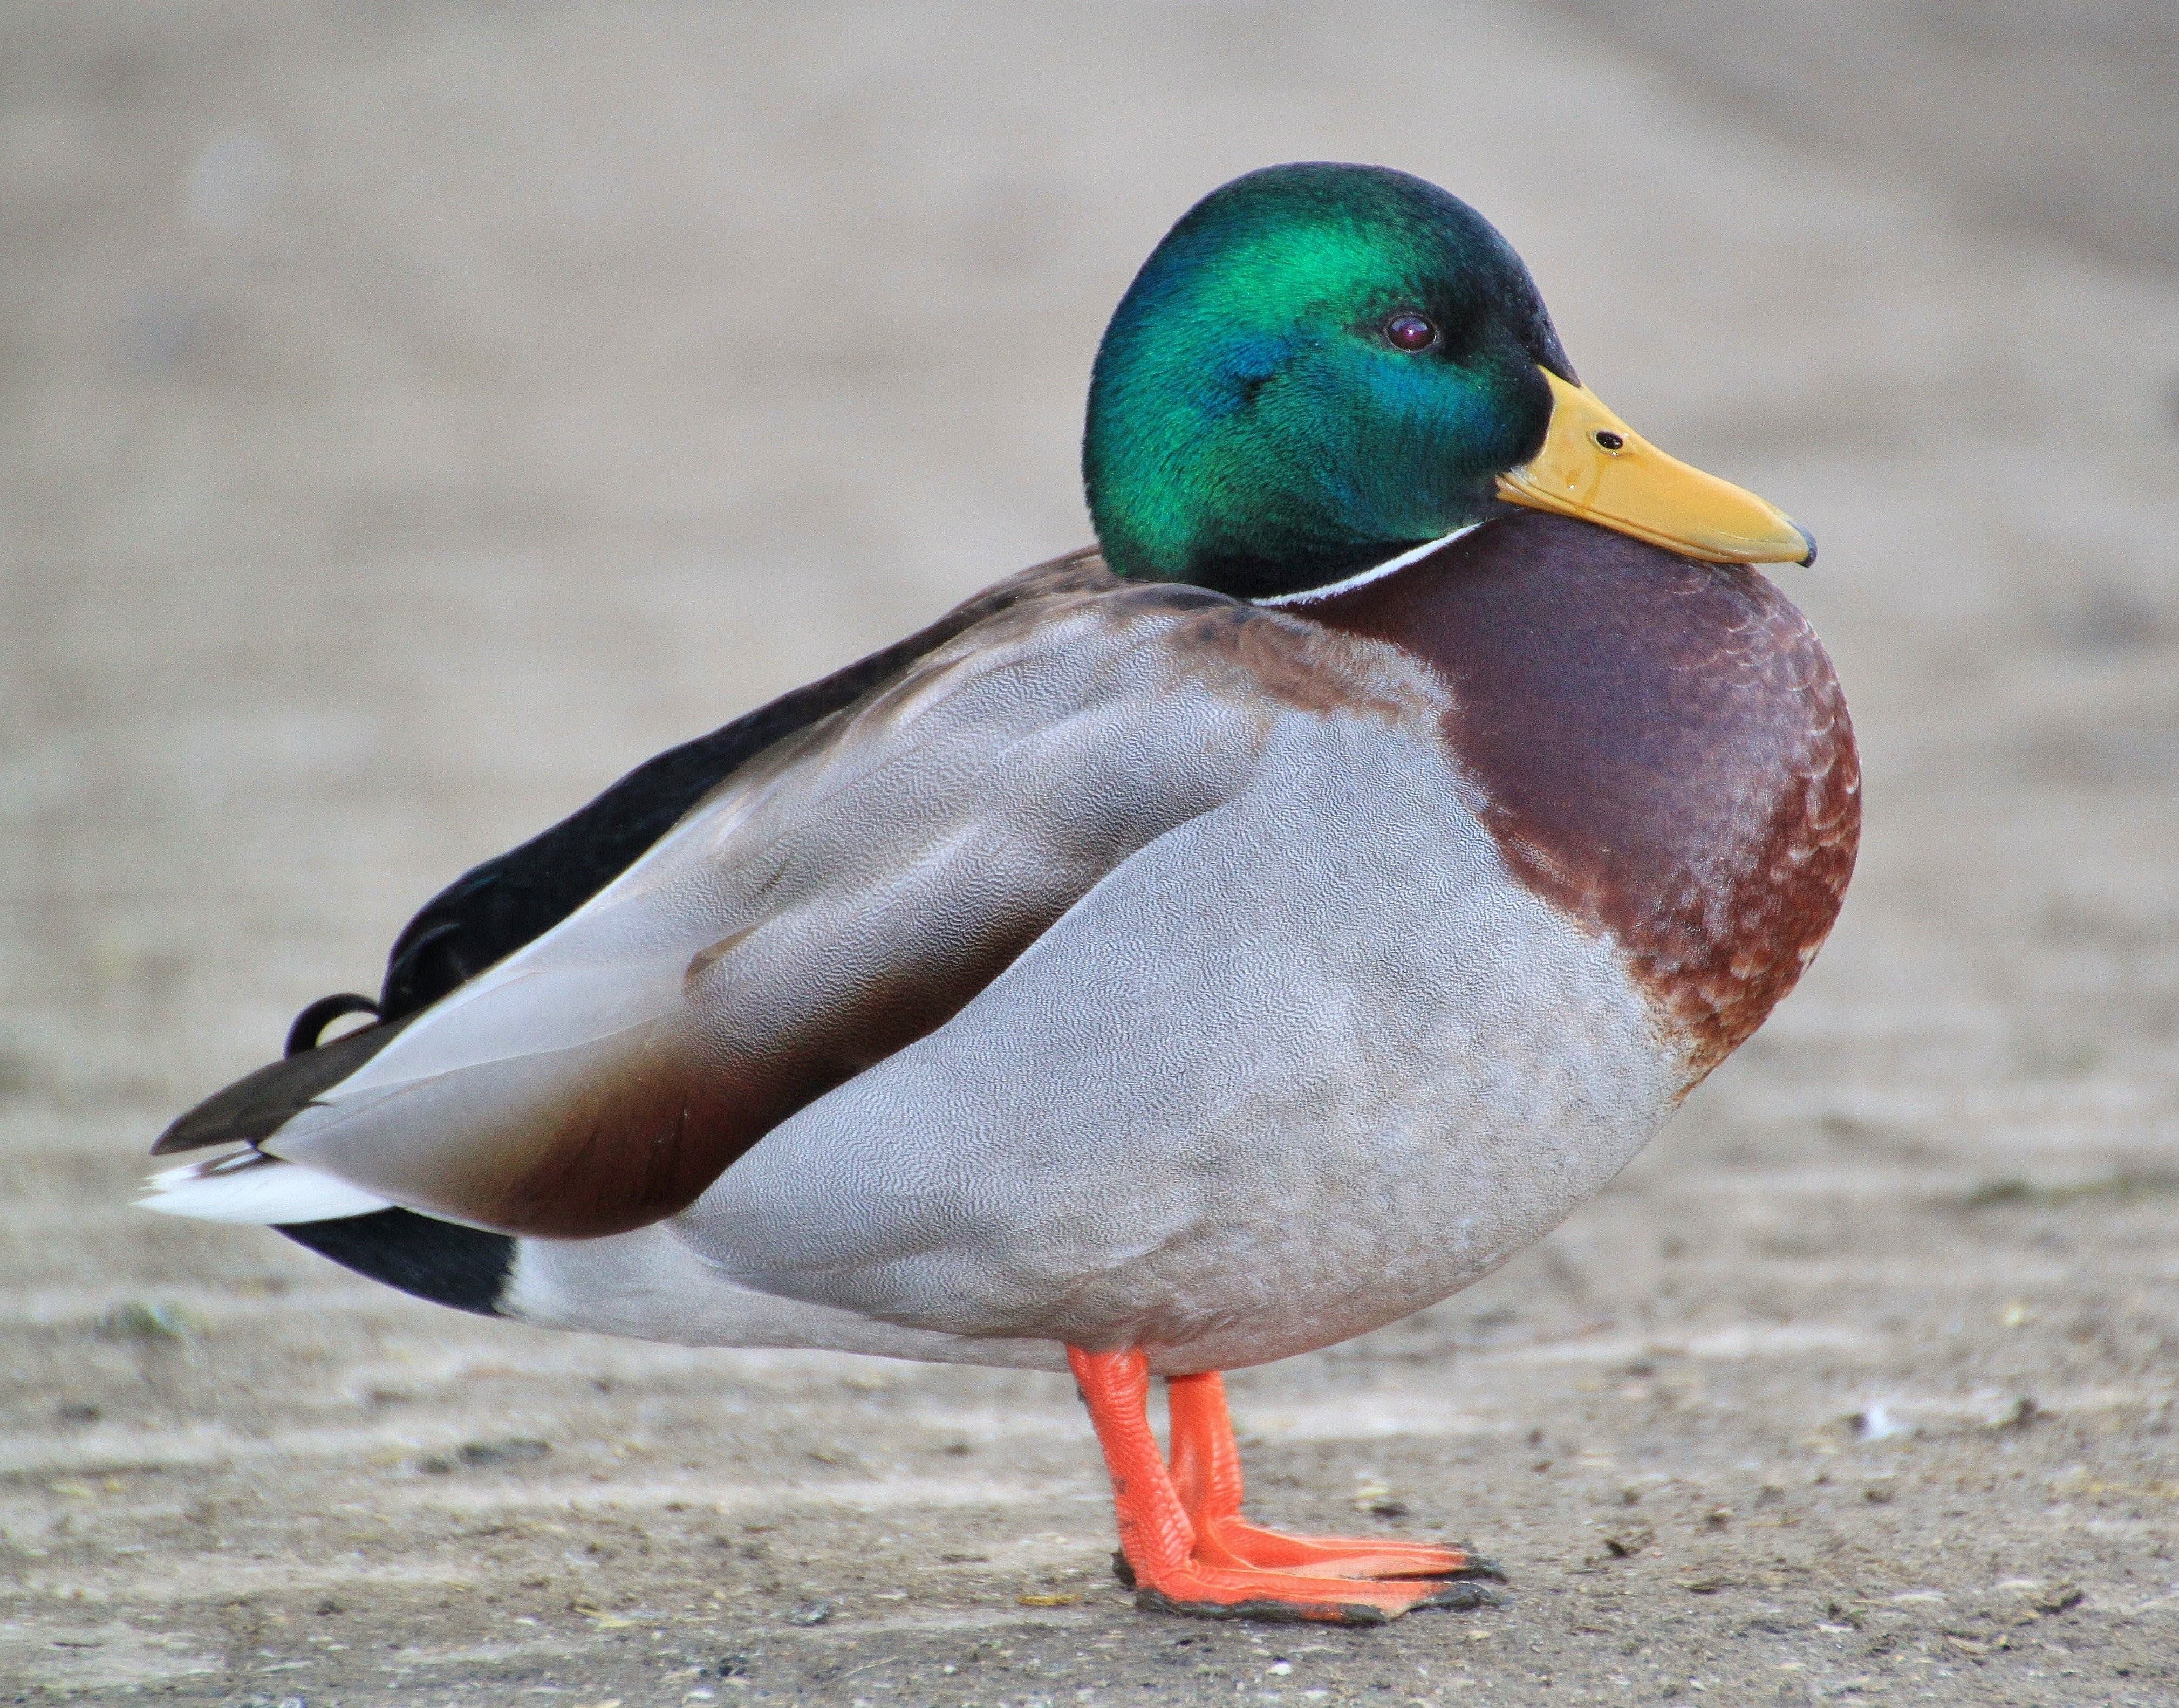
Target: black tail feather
443,1261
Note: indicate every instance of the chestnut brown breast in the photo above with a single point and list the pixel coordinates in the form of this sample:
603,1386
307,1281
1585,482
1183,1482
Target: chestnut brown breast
1664,744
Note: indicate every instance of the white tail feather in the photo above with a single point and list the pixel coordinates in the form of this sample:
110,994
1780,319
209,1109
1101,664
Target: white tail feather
249,1186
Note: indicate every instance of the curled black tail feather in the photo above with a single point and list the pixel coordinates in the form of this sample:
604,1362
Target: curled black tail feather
311,1024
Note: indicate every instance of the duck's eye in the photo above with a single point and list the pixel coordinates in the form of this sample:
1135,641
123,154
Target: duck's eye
1410,333
1609,440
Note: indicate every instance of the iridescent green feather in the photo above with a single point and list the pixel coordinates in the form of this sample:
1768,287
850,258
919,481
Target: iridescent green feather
1250,426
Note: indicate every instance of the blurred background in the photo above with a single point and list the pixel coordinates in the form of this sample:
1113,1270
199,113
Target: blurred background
415,414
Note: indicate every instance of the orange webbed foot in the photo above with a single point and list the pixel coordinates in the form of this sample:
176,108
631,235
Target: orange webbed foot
1185,1548
1241,1543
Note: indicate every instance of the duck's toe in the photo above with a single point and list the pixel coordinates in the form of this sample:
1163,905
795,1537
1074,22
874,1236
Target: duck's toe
1229,1541
1328,1598
1213,1592
1462,1595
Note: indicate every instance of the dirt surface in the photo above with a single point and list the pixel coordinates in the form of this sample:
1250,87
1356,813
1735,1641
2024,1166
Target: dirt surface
416,415
2042,117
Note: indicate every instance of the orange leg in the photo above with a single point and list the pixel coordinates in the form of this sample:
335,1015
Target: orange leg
1230,1568
1206,1471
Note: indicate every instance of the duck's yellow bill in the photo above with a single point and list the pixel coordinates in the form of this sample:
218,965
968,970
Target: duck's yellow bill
1594,466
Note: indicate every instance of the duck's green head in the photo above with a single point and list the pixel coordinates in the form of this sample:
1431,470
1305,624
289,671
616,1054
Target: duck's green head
1324,367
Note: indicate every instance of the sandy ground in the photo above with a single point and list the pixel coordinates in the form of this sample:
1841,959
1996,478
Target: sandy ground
414,415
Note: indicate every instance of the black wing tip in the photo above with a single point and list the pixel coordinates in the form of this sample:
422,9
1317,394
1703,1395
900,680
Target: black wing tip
443,1261
258,1105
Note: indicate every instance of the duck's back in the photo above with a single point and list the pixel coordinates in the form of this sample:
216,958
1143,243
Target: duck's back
837,897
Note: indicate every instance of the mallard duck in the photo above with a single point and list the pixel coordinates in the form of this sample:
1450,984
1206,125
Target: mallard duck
1188,953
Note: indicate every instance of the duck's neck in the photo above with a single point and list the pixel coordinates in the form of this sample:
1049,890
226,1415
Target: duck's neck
1376,572
1662,743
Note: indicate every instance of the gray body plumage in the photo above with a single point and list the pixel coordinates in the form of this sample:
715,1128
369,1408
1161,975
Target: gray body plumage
1298,1067
1297,1052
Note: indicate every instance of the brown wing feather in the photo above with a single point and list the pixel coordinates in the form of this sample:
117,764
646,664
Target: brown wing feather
839,898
